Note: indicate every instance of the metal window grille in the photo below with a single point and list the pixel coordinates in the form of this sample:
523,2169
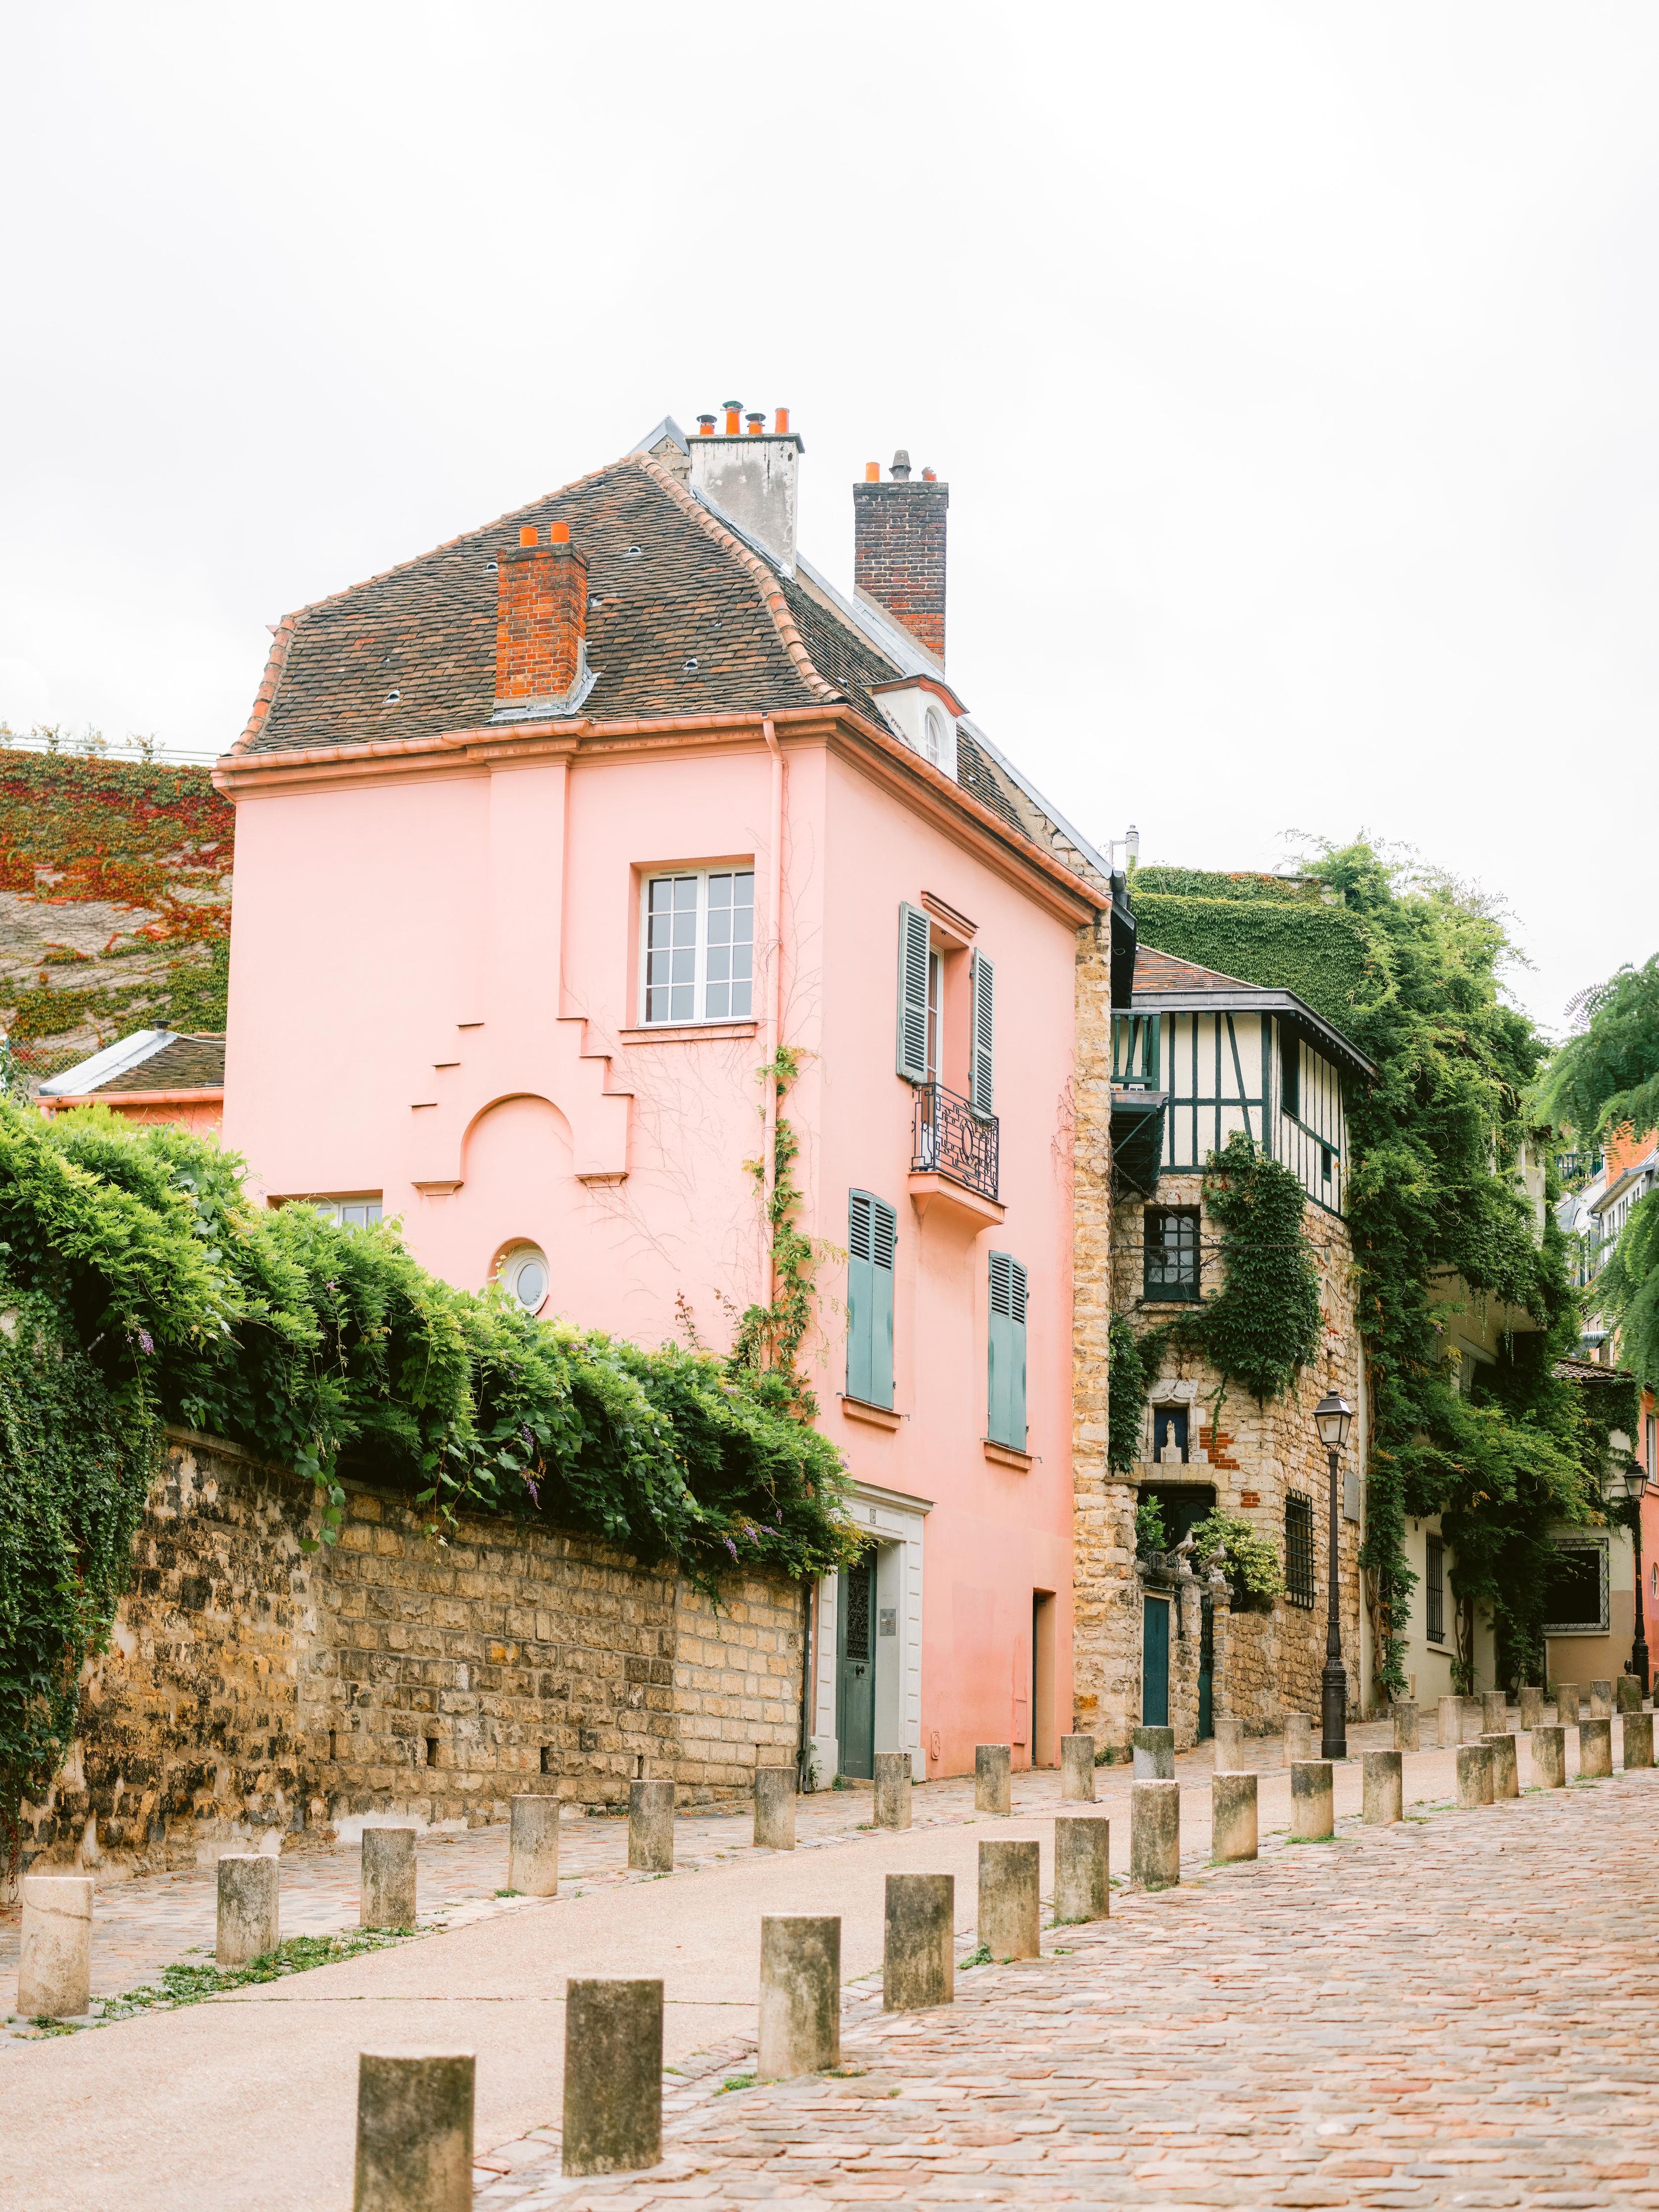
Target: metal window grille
1434,1590
1299,1550
1172,1257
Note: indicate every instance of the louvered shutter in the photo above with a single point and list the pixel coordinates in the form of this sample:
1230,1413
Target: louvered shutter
981,1085
872,1239
914,943
1006,1409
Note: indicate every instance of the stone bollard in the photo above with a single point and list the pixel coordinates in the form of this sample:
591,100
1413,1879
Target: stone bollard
1232,1817
650,1837
1076,1770
1595,1748
54,1970
1474,1719
993,1786
1312,1802
532,1847
774,1806
1639,1740
1448,1723
1384,1799
1154,1754
1474,1776
1627,1694
799,1995
892,1789
1082,1867
1532,1704
1494,1712
1155,1834
414,2130
1505,1766
918,1958
248,1908
1549,1755
1600,1700
1408,1735
612,2075
388,1896
1567,1705
1298,1738
1011,1901
1229,1746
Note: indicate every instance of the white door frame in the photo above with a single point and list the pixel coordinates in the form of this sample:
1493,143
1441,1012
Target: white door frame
895,1520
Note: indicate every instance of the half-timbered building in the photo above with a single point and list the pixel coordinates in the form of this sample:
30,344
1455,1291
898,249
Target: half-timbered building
1198,1057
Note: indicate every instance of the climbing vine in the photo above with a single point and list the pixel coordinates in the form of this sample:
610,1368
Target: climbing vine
131,1252
1263,1327
150,837
767,1350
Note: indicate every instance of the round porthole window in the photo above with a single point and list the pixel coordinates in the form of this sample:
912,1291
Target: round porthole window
526,1276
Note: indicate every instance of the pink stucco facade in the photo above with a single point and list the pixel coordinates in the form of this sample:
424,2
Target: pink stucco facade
436,1000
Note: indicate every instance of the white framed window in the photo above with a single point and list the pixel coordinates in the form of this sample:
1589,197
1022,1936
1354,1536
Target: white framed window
932,736
348,1212
697,946
524,1275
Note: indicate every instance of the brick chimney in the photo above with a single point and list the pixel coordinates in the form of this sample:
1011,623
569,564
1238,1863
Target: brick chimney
898,548
751,475
541,627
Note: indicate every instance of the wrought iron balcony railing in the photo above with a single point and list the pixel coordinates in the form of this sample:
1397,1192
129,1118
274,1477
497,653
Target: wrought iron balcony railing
1576,1170
953,1138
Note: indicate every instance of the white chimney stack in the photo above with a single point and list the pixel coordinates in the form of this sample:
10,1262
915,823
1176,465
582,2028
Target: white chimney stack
750,476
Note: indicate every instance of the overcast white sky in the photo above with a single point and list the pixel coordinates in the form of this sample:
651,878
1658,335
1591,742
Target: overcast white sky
1294,368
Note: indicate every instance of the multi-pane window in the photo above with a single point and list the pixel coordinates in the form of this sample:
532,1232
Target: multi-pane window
1434,1590
1171,1252
700,946
349,1213
1298,1549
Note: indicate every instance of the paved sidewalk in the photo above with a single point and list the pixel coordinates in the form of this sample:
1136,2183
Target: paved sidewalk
144,1924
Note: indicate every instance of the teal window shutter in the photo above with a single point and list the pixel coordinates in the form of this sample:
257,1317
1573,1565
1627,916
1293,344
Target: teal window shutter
980,1084
914,945
872,1241
1005,1422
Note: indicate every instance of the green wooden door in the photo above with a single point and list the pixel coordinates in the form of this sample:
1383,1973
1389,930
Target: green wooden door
1155,1663
855,1671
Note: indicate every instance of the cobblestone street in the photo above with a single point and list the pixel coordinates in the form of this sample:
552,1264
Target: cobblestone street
1453,2011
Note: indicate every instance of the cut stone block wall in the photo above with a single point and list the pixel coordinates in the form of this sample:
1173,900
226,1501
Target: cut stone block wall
255,1695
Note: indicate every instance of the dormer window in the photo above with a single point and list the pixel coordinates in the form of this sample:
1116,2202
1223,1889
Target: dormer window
932,736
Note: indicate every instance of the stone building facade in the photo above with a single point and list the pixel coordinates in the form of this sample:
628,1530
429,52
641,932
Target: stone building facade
257,1696
1163,1079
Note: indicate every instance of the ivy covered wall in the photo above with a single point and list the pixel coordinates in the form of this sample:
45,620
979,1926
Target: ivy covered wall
114,900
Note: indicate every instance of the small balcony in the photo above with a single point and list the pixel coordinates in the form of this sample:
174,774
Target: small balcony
954,1154
1576,1170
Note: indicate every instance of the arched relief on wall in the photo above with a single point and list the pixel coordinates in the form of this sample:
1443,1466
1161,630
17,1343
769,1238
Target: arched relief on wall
490,1073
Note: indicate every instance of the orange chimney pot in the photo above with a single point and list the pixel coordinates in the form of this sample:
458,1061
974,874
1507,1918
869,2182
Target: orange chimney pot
558,533
873,472
783,422
526,533
734,418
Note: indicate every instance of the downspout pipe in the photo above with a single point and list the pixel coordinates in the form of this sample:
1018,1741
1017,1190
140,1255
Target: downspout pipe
774,1007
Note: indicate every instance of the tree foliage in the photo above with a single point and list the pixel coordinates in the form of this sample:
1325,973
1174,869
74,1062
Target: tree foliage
1433,1195
1608,1073
151,1290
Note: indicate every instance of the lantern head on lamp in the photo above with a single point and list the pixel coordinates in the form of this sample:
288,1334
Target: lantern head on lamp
1332,1418
1623,1477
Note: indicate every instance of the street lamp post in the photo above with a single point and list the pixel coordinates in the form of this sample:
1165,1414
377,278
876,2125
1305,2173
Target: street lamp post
1332,1417
1619,1483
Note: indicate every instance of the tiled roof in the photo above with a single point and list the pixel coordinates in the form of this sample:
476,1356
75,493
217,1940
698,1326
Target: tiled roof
977,774
1162,971
189,1063
662,591
1589,1370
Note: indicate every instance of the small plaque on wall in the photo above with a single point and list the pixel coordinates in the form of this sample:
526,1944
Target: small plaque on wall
888,1620
1249,1498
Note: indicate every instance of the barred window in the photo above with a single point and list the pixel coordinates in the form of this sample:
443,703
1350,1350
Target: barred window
1298,1549
1171,1252
1434,1590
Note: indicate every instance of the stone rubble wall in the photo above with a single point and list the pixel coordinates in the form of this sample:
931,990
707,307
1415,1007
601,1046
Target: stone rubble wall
256,1696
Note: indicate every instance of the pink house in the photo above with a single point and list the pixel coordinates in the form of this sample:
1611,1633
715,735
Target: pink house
547,841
